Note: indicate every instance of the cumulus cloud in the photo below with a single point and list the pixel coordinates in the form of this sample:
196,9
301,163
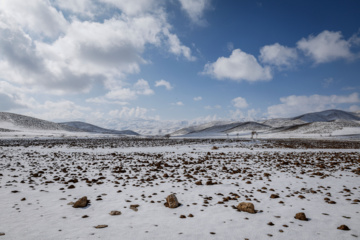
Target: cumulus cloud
12,97
164,83
141,87
39,47
129,113
239,115
325,47
84,8
278,55
296,105
36,16
238,67
240,102
62,110
195,9
197,98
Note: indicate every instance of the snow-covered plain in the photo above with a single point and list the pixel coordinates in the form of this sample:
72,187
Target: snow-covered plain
319,178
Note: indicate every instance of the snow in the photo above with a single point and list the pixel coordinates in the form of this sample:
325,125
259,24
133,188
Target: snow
43,215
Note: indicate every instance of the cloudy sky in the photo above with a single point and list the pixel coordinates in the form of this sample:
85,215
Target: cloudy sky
114,61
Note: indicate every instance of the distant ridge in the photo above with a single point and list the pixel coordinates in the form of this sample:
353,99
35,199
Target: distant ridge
310,123
11,122
327,116
87,127
14,122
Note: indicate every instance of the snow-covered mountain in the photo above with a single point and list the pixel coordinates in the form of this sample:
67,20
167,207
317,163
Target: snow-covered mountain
325,122
357,113
87,127
249,126
326,116
198,128
17,122
10,122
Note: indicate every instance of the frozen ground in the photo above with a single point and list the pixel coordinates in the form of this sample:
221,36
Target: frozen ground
40,177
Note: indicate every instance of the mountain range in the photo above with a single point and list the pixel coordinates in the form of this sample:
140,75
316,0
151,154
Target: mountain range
10,122
325,122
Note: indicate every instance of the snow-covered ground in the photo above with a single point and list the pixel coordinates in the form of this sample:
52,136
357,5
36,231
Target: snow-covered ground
312,177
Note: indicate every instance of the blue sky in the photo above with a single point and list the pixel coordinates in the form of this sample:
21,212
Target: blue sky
112,62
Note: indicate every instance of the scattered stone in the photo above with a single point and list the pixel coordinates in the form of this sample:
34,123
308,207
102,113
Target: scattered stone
212,233
198,182
82,202
182,216
246,207
134,207
101,226
85,216
270,224
274,196
301,216
115,213
171,201
2,234
344,227
190,215
23,199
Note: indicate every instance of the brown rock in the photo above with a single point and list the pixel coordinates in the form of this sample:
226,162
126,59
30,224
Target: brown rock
2,234
182,216
115,213
172,201
198,182
344,227
246,207
274,196
101,226
82,202
301,216
134,207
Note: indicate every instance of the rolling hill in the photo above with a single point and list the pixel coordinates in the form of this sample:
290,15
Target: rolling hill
87,127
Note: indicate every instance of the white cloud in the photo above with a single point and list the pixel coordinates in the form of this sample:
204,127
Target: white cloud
179,103
197,98
296,105
164,83
240,102
56,111
239,66
142,87
278,55
129,113
37,16
177,48
121,94
82,7
325,47
238,115
195,9
77,53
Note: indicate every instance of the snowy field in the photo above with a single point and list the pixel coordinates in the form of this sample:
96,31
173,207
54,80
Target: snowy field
40,179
